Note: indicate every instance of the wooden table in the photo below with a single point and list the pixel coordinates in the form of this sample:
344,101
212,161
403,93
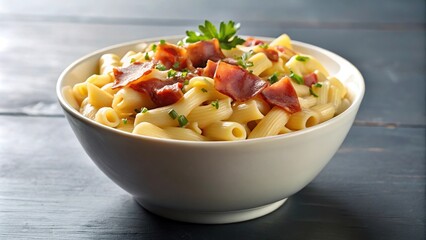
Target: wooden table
373,188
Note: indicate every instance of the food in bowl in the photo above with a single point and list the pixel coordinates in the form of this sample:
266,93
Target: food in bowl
210,86
208,181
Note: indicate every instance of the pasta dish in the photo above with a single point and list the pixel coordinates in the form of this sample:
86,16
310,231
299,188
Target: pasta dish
210,86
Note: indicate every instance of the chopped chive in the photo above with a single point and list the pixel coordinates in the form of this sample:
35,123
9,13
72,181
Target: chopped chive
146,56
144,110
312,92
186,82
273,78
173,114
154,47
124,120
242,61
132,60
184,72
182,120
297,78
180,43
160,67
264,46
171,73
302,58
176,65
162,41
215,104
318,85
203,90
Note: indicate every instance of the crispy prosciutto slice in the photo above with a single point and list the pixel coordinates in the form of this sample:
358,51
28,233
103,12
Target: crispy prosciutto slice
200,52
271,54
288,53
310,79
210,69
171,56
237,82
162,92
168,94
251,41
282,94
135,71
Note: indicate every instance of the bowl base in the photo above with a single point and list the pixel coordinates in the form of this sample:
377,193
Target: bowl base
213,217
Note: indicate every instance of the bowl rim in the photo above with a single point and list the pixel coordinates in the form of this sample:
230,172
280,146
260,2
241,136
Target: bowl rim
73,112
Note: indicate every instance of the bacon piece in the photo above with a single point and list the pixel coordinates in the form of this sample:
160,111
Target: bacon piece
162,92
237,82
271,54
127,75
202,51
251,41
171,56
230,61
210,69
310,79
282,94
286,51
168,94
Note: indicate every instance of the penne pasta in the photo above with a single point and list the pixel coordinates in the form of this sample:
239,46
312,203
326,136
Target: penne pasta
107,116
271,124
246,112
216,111
185,92
225,131
303,119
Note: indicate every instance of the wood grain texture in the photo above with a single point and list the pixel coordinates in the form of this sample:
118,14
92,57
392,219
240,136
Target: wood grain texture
307,13
391,62
51,189
374,187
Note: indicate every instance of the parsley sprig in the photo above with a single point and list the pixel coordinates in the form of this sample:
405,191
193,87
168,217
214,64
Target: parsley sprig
243,60
227,34
297,78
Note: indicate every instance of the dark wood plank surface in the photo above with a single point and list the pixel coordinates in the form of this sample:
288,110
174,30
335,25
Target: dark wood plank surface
374,187
51,189
58,44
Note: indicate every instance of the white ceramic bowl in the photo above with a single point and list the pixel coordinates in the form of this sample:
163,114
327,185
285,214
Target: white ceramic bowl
212,182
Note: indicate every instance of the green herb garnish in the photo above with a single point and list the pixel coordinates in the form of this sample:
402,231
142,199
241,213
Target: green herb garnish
124,120
146,56
132,60
171,73
176,65
162,41
173,114
144,110
227,34
312,92
264,46
243,60
302,58
182,120
184,73
154,47
297,78
203,90
318,85
273,78
160,67
215,104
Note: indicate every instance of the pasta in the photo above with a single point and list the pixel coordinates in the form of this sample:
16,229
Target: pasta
198,90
